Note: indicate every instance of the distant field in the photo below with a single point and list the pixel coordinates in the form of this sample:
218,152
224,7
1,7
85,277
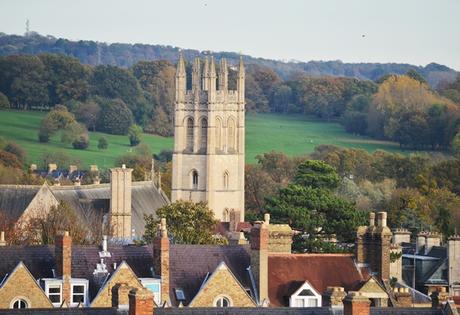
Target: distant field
294,135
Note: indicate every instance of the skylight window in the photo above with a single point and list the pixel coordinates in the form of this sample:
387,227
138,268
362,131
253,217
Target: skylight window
180,296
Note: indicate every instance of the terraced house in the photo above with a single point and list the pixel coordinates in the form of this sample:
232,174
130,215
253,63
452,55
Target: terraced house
262,274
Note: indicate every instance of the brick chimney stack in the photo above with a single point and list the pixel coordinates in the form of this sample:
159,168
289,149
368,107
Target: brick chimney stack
63,256
259,257
403,297
356,304
141,302
161,258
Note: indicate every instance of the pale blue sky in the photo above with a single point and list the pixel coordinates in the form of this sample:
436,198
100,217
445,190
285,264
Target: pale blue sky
412,31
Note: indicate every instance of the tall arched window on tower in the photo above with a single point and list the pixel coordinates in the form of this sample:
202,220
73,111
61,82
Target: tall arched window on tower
218,134
204,135
231,134
189,146
194,179
226,180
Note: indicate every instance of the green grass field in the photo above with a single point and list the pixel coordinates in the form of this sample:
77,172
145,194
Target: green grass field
294,135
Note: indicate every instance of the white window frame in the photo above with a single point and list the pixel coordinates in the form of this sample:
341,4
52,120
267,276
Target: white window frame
146,281
53,282
306,286
79,282
221,297
19,299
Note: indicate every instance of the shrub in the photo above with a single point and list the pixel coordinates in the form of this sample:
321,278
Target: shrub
4,102
135,134
81,142
102,143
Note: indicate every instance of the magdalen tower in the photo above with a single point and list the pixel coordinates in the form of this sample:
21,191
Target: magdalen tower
208,158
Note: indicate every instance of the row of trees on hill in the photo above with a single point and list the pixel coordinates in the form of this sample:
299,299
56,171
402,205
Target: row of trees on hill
104,98
401,108
126,55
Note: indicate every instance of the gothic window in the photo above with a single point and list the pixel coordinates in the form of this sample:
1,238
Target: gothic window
226,180
194,179
189,146
231,134
222,301
218,134
204,134
19,303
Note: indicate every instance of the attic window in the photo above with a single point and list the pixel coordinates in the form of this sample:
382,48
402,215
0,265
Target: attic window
222,301
305,296
306,292
19,303
180,296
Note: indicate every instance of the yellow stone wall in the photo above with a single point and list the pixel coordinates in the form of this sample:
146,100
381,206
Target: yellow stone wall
109,295
222,283
21,284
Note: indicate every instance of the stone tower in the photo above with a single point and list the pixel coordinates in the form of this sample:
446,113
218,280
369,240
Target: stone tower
208,158
120,202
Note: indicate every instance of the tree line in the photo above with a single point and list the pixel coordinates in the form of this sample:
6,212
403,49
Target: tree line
126,55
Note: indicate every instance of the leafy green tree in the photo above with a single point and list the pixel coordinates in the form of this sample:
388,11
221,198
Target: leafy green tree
4,102
412,73
57,119
310,206
88,114
188,223
67,78
117,83
316,174
115,117
23,81
102,143
135,135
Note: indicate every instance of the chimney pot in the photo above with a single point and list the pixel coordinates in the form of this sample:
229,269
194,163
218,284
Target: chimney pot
267,218
371,219
382,219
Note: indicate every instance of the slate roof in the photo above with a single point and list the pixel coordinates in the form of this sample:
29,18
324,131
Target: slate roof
189,264
15,199
286,272
145,200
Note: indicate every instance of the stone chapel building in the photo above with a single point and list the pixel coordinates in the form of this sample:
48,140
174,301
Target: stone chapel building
208,158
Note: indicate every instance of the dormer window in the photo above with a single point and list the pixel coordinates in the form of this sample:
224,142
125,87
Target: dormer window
305,296
78,294
154,285
54,293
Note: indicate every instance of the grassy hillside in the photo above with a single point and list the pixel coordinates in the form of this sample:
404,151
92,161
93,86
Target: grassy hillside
294,135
